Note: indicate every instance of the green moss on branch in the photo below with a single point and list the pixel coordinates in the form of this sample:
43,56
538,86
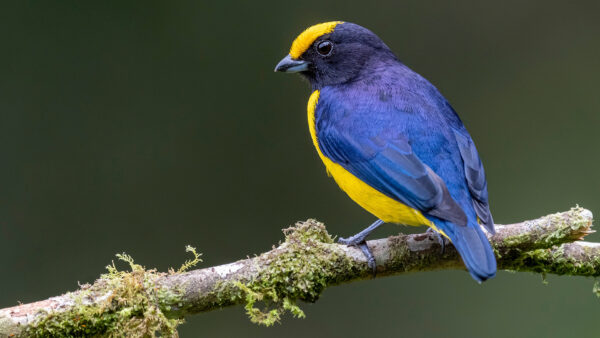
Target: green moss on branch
567,259
300,269
120,303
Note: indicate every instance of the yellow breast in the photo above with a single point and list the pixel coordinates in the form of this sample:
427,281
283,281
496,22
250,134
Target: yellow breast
383,207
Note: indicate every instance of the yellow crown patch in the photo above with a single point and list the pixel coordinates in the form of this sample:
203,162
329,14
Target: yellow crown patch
306,38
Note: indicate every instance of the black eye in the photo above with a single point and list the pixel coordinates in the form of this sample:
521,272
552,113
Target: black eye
324,47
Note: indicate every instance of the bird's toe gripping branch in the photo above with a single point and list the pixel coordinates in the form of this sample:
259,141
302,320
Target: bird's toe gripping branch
441,239
364,248
360,240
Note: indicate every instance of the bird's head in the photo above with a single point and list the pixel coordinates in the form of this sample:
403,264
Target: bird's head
333,52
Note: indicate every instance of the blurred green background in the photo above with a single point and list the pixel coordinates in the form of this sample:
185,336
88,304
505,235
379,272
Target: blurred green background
143,127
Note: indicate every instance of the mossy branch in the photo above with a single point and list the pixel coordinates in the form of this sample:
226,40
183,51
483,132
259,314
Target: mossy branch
142,302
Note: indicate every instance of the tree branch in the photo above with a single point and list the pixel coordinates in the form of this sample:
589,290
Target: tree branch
144,301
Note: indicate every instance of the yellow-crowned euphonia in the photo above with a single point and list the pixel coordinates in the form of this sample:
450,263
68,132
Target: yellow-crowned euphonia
391,141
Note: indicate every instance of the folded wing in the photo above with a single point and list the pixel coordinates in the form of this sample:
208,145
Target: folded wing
391,167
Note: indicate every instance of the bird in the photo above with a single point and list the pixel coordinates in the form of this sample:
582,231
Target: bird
392,142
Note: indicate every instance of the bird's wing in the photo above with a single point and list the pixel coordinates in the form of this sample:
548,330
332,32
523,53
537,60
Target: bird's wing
476,181
391,167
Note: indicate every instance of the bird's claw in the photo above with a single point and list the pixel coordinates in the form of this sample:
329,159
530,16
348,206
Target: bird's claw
441,239
371,263
350,241
361,243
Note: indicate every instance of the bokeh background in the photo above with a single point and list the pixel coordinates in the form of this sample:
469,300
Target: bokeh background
146,126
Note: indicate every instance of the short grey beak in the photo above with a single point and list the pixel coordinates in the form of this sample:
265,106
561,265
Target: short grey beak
290,65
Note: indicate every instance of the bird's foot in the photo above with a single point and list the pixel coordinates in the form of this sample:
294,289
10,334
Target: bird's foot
441,239
361,243
360,240
353,240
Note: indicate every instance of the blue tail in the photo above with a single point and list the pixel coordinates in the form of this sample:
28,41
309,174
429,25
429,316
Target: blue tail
474,248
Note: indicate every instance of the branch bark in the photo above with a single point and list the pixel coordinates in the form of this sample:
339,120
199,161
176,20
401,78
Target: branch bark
144,301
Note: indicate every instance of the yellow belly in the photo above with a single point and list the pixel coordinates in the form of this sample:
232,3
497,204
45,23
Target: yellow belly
383,207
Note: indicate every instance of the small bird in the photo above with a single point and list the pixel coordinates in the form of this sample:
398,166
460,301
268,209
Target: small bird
392,142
